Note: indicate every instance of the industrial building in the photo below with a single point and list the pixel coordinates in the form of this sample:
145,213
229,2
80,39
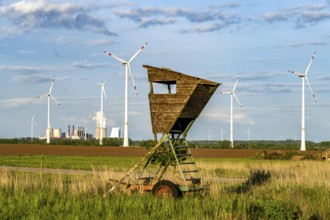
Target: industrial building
98,133
78,133
115,132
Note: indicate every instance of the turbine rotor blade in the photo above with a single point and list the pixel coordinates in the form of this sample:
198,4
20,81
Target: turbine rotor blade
137,53
310,88
117,58
225,92
40,96
91,81
238,101
105,82
310,63
51,86
54,99
130,71
235,84
104,93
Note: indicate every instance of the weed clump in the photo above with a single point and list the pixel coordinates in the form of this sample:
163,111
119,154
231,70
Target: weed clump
256,178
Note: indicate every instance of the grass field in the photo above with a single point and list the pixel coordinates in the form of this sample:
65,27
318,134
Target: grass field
295,190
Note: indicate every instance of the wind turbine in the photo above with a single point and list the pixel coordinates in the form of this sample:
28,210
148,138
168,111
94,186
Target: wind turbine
210,135
32,121
85,128
232,94
127,69
221,134
248,133
304,77
103,95
50,96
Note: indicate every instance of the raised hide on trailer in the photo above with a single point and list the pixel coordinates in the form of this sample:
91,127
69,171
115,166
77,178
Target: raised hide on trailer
175,108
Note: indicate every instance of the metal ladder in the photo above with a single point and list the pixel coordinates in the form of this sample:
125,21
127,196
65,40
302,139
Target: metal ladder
186,164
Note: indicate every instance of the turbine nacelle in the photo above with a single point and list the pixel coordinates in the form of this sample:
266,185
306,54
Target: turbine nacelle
297,73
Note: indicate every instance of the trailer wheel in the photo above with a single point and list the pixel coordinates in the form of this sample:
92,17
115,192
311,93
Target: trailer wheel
166,188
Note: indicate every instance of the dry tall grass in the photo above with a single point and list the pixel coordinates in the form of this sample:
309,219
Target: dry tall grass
214,172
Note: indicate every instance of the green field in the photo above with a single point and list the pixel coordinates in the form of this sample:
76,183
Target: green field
295,190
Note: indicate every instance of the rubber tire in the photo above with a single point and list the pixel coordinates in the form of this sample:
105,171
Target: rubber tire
166,188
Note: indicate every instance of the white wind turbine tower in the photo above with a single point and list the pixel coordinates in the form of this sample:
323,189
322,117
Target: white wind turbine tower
232,94
127,69
33,122
304,77
248,133
221,134
103,95
50,96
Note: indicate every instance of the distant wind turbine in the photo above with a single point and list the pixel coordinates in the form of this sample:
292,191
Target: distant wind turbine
221,134
103,96
248,133
32,121
232,94
304,77
210,135
85,128
127,69
50,96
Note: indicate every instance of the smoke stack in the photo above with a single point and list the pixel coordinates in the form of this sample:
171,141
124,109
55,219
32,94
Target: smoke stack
68,132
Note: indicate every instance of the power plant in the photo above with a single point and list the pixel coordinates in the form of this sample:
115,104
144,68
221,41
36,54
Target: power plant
72,133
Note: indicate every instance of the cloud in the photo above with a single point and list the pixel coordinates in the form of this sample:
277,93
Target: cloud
275,16
149,22
26,51
217,115
302,16
28,14
247,76
63,40
304,44
88,65
262,88
217,18
212,18
11,103
213,27
34,78
260,76
100,42
24,69
312,17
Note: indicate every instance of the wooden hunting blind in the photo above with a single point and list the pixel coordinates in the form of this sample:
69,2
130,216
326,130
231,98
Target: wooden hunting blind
173,110
176,110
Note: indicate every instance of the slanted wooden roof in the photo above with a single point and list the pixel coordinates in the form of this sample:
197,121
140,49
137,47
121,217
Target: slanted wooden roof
175,110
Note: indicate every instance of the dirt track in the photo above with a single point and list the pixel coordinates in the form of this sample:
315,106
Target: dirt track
26,149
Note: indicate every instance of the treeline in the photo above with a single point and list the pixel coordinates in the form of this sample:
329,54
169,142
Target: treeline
265,145
92,142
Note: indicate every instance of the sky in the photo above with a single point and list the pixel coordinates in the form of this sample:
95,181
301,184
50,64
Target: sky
258,40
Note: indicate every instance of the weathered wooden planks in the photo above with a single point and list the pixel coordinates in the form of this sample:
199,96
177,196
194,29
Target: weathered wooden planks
174,111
